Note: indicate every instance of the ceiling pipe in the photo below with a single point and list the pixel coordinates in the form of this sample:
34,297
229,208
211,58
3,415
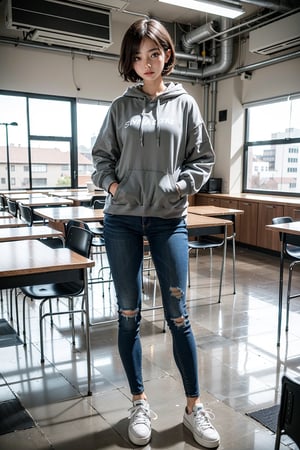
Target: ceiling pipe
256,66
197,35
226,51
225,60
193,57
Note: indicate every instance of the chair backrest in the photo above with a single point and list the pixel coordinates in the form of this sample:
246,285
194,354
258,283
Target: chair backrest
26,214
75,223
99,204
289,411
12,207
283,219
2,203
79,240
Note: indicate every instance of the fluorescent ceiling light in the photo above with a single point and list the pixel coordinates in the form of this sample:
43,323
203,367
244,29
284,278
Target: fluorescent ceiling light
209,7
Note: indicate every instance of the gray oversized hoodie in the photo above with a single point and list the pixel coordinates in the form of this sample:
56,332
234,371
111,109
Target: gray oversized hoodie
148,146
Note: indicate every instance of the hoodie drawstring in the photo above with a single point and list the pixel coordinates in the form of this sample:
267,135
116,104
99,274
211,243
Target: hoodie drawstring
141,133
157,125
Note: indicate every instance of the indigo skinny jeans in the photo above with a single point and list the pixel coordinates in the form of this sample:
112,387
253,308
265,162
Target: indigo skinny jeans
168,240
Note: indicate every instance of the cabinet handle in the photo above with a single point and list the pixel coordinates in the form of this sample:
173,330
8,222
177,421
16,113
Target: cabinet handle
270,206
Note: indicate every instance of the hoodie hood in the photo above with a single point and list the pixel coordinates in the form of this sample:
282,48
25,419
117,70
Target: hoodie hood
172,91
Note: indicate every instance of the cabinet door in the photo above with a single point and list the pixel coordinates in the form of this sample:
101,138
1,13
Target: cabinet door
266,238
292,211
207,199
247,232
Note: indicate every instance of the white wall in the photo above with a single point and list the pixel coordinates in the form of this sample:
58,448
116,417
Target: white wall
46,72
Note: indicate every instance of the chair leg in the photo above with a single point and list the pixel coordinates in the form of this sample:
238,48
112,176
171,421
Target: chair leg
16,308
71,308
41,317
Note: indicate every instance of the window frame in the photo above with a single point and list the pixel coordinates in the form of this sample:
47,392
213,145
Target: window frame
72,139
268,142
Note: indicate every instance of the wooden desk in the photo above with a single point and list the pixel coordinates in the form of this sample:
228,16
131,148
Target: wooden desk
211,210
66,192
62,215
24,196
30,262
22,233
286,229
196,221
12,222
36,202
82,198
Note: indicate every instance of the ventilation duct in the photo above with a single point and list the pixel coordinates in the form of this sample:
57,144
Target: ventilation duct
276,37
61,23
197,35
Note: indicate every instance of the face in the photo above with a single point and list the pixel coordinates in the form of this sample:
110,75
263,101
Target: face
149,61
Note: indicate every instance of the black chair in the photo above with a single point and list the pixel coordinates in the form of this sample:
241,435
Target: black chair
98,244
291,249
209,242
12,207
289,412
27,214
79,240
3,205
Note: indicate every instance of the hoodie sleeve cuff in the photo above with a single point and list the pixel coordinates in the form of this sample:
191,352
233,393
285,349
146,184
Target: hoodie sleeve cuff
181,187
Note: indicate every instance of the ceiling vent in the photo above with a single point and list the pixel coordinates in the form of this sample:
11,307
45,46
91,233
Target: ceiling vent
107,4
61,23
276,37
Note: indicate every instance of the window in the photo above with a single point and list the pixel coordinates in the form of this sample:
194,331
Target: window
272,145
90,115
54,137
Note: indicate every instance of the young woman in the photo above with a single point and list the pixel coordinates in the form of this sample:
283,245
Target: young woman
152,151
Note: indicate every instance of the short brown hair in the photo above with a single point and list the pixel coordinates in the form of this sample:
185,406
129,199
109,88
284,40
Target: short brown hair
139,30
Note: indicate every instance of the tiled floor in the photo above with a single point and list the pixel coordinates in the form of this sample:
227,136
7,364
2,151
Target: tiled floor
240,366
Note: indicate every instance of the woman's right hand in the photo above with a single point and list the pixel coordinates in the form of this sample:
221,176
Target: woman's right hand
112,188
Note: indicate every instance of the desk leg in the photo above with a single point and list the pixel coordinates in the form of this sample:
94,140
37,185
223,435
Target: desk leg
223,263
88,340
280,291
233,263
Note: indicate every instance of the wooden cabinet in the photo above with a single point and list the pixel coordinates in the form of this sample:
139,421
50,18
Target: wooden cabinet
292,211
247,230
206,199
265,238
259,210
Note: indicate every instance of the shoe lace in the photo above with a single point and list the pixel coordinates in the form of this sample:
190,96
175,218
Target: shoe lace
141,414
203,418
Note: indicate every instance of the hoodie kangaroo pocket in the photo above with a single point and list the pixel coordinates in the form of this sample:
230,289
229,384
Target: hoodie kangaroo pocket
147,188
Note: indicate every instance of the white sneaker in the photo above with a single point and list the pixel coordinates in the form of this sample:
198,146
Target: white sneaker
139,429
198,422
